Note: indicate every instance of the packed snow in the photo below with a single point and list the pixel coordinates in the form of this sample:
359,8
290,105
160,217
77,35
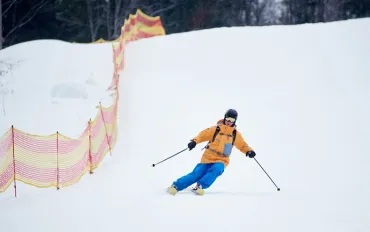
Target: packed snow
303,96
49,85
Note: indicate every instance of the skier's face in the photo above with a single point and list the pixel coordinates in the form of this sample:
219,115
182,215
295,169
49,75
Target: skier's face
229,121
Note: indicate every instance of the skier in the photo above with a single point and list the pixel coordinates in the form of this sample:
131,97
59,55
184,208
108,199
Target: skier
216,157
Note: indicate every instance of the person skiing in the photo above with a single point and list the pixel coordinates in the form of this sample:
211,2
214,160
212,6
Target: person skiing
221,139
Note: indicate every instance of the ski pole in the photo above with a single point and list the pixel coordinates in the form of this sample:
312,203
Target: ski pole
278,189
169,157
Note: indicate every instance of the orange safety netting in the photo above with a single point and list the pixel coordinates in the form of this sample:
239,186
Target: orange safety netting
57,160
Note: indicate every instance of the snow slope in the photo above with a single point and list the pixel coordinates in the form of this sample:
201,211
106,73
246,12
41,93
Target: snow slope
302,93
52,85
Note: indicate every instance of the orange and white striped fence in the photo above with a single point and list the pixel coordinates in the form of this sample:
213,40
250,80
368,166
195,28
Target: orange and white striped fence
57,160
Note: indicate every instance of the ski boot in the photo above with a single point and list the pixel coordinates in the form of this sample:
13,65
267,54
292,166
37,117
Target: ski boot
172,190
198,190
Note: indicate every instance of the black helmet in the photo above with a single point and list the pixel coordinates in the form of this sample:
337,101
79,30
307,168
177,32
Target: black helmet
231,113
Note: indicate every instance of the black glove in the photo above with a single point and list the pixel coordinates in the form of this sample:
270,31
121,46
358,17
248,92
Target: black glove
251,154
191,145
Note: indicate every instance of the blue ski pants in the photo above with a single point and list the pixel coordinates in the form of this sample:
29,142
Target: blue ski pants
203,174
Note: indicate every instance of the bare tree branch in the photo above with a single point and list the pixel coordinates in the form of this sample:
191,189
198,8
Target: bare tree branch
108,18
28,17
90,19
73,20
165,9
174,3
10,6
121,7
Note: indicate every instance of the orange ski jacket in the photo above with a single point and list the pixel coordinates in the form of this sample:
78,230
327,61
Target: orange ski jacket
220,149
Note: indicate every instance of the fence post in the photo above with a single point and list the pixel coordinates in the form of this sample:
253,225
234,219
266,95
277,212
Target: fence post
57,160
90,158
14,173
106,132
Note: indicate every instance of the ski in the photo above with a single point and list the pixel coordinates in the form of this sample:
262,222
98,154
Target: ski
172,191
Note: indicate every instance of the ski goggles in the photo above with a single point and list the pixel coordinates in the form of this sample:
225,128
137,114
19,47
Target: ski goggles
230,119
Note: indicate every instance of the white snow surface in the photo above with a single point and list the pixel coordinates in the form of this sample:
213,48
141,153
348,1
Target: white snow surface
303,97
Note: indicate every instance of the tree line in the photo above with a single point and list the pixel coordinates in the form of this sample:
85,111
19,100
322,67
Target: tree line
89,20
